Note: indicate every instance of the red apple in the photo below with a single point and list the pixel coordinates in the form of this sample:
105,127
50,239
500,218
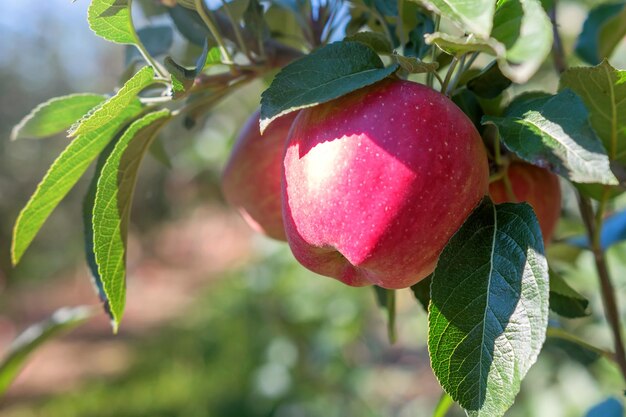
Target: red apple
251,179
376,182
536,186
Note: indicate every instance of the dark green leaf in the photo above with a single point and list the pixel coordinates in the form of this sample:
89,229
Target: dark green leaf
62,175
564,300
467,101
157,40
182,78
417,46
375,40
327,73
26,343
111,20
189,24
489,307
111,211
555,133
604,28
421,291
472,16
55,115
253,19
381,295
490,83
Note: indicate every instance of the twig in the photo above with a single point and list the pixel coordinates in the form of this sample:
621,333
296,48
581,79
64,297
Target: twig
593,226
609,301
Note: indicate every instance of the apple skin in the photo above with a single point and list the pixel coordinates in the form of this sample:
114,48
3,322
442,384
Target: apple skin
376,182
251,178
536,186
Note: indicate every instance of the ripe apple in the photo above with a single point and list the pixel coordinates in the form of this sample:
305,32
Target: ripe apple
536,186
376,182
251,179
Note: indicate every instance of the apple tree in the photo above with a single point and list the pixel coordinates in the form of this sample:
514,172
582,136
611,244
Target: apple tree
392,148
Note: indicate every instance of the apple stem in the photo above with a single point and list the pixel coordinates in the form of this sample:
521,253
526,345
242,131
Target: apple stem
391,316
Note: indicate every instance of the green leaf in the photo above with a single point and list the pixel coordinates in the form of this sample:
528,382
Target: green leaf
459,45
61,177
156,39
525,30
87,214
55,115
413,65
113,107
111,211
472,16
111,20
555,133
564,300
421,291
604,28
521,39
603,90
35,336
375,40
325,74
490,83
489,307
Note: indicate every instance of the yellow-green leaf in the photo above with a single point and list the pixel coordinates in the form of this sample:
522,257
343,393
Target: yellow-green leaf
111,211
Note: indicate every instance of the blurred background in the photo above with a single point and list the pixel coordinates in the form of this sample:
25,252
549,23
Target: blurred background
222,322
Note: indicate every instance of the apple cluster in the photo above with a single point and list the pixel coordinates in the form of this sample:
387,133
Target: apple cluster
368,188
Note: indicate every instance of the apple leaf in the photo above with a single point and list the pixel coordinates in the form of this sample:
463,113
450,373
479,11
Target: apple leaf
490,83
112,204
603,90
416,47
602,31
325,74
554,132
113,107
87,216
472,16
413,65
189,24
65,171
564,300
488,312
459,45
55,115
525,30
35,336
157,40
521,39
375,40
111,20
